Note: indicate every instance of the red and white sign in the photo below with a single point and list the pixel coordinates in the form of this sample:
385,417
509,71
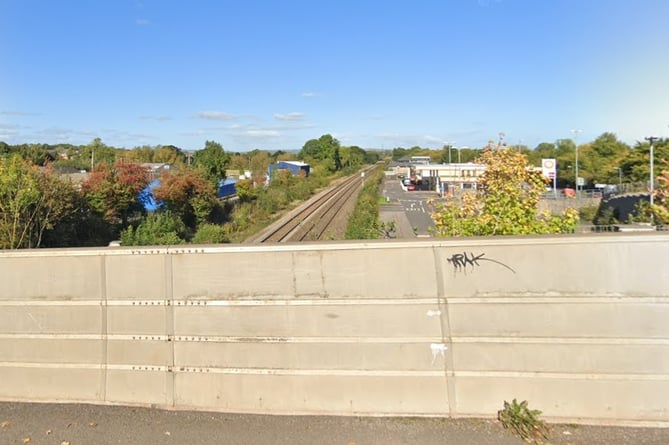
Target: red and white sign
548,168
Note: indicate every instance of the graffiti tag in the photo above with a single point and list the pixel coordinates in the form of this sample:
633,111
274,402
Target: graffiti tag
460,261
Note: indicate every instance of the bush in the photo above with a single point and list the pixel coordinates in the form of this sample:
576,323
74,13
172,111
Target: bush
210,234
161,228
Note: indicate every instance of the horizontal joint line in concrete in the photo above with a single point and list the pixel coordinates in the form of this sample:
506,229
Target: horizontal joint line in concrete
564,340
223,339
291,301
344,340
310,372
557,299
51,365
560,375
53,302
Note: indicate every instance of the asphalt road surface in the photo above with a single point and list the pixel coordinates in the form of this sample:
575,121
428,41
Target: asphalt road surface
79,424
409,209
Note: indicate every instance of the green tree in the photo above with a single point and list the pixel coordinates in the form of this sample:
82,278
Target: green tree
660,208
32,201
323,151
213,160
599,159
506,202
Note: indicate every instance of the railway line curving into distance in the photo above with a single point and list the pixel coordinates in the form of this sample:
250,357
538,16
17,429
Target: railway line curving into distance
314,219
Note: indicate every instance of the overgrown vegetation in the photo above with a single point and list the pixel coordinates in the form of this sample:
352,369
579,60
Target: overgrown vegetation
364,221
523,421
506,201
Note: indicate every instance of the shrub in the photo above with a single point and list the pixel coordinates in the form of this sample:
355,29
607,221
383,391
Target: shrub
161,228
210,234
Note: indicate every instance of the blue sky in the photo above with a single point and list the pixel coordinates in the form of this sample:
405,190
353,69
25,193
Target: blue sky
377,74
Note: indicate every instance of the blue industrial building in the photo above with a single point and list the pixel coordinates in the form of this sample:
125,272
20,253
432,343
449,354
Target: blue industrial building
295,167
227,188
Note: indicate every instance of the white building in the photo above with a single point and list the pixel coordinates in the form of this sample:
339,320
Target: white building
450,177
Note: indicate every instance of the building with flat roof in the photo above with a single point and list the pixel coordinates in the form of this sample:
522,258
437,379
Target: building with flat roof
450,177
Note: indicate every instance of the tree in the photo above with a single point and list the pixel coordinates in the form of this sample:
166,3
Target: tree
188,194
506,202
323,151
213,160
599,159
660,208
113,191
32,201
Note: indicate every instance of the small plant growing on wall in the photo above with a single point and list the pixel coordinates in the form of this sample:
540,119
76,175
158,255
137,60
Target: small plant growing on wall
523,421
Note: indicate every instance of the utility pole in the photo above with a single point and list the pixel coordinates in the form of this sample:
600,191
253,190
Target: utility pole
652,140
575,132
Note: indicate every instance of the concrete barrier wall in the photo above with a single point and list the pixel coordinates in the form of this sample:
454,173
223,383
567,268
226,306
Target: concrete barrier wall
575,325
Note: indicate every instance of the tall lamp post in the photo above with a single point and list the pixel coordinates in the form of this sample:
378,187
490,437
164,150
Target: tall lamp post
575,132
620,179
652,140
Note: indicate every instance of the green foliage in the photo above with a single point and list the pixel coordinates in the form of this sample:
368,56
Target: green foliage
213,160
32,202
588,214
324,151
506,202
188,194
364,221
523,421
210,234
160,228
660,209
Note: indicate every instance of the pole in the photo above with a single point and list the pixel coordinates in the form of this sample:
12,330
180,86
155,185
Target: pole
652,140
575,133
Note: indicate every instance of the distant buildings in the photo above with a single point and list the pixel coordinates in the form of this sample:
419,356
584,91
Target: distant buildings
295,167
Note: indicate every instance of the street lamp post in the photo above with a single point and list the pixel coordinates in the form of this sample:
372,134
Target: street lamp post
575,132
652,140
620,179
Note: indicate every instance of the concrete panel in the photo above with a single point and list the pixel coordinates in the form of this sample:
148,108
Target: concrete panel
139,352
353,320
564,266
137,320
225,274
53,277
314,394
606,319
50,319
309,278
551,356
138,387
51,350
383,273
50,383
319,356
588,398
136,276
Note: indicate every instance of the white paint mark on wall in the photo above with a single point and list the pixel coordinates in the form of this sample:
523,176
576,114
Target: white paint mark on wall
437,349
433,313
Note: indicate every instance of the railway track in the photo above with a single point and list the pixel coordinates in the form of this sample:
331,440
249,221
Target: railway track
312,220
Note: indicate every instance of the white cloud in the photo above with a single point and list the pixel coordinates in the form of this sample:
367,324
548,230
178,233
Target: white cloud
215,115
155,118
310,94
142,22
294,116
263,133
